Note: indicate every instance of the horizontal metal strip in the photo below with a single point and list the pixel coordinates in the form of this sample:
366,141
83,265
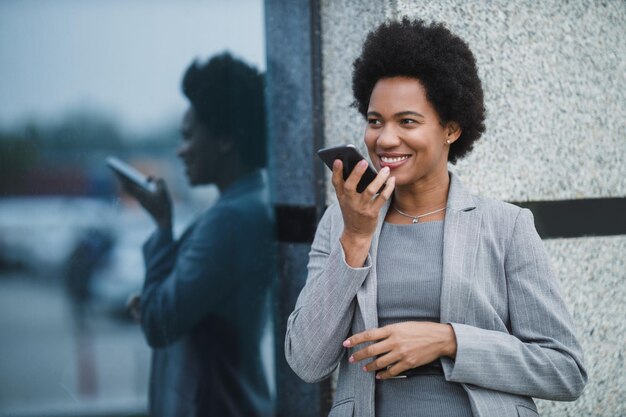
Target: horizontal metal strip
578,218
295,224
553,219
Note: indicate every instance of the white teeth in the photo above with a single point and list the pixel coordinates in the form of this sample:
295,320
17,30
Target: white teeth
389,160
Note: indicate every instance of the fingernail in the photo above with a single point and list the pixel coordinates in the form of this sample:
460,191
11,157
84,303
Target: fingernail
336,163
362,163
346,343
378,376
351,359
364,369
385,170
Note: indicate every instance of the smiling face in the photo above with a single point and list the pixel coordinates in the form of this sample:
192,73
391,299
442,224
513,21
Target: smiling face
404,132
197,150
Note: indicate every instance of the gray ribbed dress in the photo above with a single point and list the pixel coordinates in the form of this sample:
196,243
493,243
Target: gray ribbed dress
409,269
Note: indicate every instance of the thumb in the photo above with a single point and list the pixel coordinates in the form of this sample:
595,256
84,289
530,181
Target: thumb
160,184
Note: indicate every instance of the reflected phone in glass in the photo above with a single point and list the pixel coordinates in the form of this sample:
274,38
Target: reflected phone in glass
136,177
350,156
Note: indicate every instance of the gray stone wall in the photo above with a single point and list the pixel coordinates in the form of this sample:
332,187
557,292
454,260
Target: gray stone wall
591,271
554,75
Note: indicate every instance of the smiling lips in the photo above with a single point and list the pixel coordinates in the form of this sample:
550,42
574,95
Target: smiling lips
392,161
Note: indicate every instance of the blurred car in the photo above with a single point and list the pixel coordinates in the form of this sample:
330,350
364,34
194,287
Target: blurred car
122,275
39,233
91,246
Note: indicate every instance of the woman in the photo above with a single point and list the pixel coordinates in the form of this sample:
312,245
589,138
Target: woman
433,301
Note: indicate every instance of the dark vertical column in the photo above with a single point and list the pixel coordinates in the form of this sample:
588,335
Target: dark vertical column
295,120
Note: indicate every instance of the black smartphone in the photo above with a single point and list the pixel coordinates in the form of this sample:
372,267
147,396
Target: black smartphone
350,156
130,173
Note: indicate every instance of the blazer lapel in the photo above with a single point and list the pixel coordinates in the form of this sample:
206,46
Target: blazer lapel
460,248
367,295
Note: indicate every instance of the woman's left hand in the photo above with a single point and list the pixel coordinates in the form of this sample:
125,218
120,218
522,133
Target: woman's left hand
402,346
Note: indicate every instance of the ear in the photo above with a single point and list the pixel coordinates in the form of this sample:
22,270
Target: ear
453,131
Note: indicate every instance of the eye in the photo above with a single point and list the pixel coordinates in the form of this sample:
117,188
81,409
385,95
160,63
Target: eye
373,122
407,121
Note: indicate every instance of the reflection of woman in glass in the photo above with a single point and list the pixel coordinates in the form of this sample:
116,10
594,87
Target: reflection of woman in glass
436,302
204,301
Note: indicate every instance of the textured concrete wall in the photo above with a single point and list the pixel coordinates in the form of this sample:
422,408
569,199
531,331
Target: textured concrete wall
554,75
591,272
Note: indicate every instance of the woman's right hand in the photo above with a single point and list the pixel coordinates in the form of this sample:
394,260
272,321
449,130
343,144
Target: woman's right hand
360,210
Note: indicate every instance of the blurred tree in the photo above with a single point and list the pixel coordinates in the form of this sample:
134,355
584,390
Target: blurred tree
17,156
81,130
67,156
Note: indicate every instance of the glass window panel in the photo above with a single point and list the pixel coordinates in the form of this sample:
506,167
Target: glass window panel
80,81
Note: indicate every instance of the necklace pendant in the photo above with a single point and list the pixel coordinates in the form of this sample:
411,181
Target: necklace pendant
415,220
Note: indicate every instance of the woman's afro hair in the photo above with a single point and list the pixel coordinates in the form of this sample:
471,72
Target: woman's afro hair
440,60
219,91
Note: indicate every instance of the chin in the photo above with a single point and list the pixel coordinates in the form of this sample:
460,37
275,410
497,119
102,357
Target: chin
407,179
197,180
192,180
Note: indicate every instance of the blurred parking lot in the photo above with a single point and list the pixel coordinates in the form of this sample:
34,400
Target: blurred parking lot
68,346
50,364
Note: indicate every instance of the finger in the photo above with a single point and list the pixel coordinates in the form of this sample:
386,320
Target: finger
374,186
369,352
337,178
355,175
386,193
370,335
384,362
161,185
393,370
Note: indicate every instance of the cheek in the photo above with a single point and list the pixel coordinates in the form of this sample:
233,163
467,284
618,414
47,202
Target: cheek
370,144
203,145
437,134
369,138
427,140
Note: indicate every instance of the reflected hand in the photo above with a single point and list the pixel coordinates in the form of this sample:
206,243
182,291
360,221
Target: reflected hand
360,210
158,204
402,346
133,307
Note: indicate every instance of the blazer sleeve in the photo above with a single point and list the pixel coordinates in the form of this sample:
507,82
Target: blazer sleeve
184,282
159,253
541,356
324,310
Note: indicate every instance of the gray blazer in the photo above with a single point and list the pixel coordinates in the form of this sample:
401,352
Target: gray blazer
514,334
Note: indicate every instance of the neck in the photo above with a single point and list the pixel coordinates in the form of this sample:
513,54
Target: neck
425,195
231,172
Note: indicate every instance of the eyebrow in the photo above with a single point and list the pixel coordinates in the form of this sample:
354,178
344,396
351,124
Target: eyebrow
399,114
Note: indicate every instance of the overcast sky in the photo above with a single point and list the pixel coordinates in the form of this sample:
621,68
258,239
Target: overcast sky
122,57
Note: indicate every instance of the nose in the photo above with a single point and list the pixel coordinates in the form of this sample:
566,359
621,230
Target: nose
387,137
